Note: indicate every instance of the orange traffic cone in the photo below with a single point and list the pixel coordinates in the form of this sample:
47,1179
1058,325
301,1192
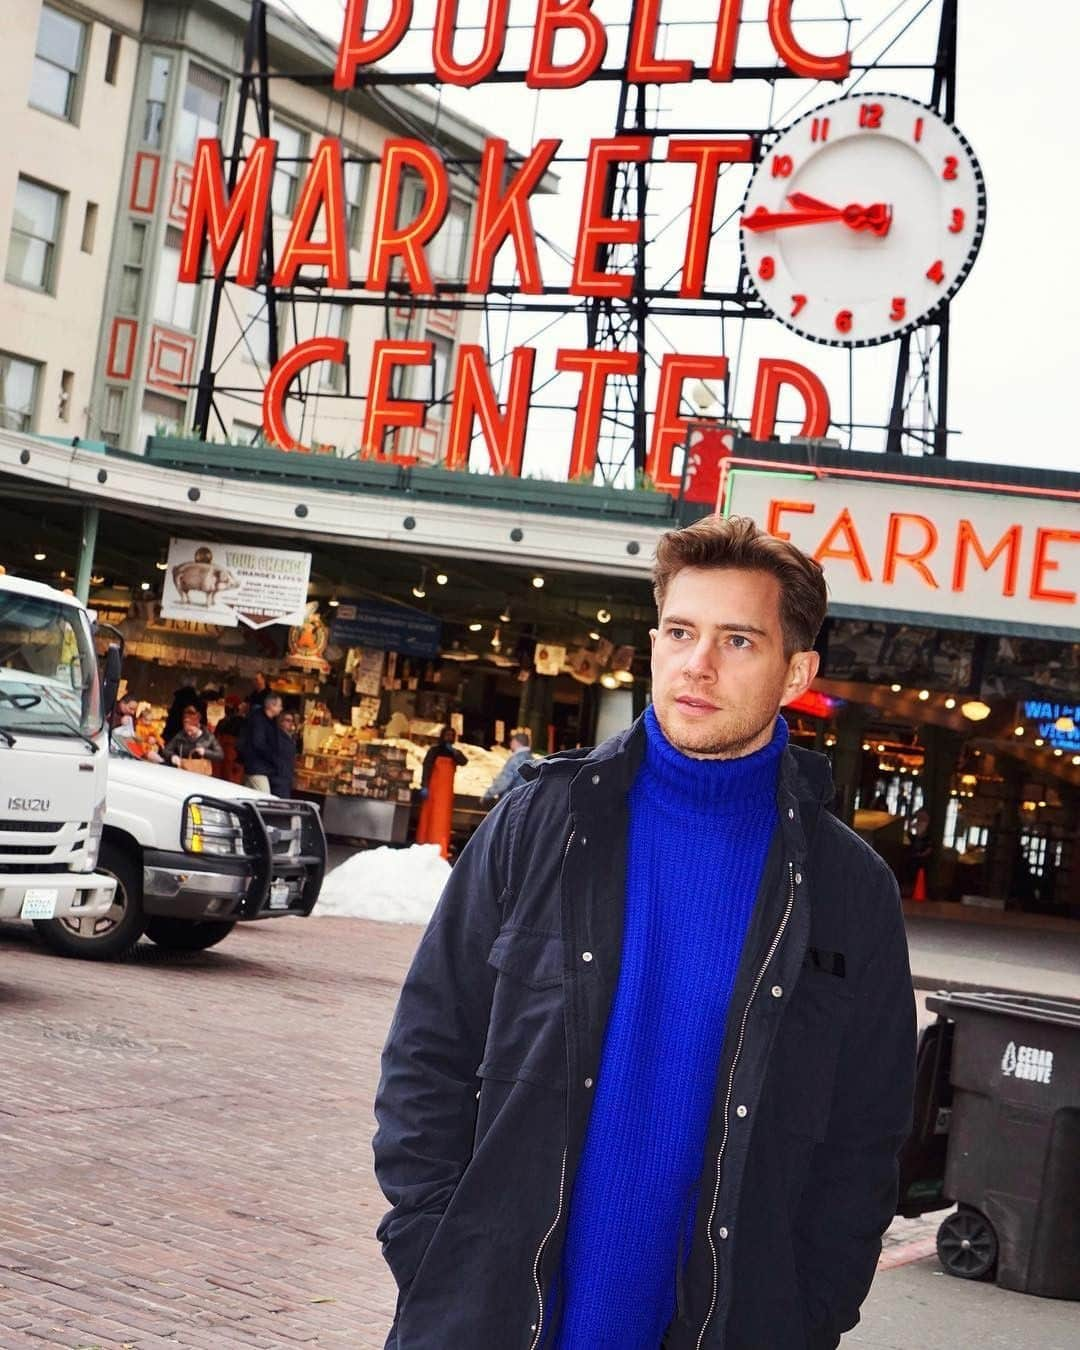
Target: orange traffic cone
918,891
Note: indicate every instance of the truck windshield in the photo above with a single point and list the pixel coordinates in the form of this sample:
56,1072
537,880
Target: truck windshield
48,673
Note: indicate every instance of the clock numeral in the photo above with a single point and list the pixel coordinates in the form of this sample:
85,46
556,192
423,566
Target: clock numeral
767,268
798,303
956,224
843,321
951,166
899,309
871,116
936,273
919,124
819,129
782,166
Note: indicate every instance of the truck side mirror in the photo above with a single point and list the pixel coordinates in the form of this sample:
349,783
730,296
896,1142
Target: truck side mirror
111,680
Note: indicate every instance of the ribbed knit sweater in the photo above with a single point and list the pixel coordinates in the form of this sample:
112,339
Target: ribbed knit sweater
699,833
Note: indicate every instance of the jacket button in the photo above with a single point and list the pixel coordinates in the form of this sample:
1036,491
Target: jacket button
798,878
790,814
777,991
740,1111
722,1233
588,1082
584,840
586,956
595,779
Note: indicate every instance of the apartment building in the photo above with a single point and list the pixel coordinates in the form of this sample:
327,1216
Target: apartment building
104,104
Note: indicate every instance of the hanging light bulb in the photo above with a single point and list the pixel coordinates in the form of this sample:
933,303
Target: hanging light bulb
609,681
333,602
504,617
496,642
420,589
603,615
895,688
441,578
161,565
595,636
950,703
924,694
144,585
40,556
475,627
538,582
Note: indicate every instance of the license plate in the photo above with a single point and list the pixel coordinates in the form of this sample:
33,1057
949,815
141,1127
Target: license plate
279,895
39,902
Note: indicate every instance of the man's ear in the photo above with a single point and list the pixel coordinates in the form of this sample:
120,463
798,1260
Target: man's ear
802,671
654,633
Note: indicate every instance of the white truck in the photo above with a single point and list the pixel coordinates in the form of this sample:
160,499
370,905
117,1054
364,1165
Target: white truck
53,757
192,857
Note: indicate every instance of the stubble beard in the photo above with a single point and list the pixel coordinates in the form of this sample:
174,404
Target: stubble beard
738,735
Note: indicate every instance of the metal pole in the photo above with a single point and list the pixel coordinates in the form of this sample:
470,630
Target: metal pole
87,544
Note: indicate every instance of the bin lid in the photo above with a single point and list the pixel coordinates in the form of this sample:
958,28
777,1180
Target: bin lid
1033,1007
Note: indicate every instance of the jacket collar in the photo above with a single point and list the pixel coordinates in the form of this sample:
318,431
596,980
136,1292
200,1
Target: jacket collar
598,780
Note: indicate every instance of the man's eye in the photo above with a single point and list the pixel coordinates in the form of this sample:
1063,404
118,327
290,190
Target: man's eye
677,632
739,642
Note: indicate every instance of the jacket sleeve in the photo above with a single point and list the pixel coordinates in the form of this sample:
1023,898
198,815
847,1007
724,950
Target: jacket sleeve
426,1100
850,1198
212,747
504,780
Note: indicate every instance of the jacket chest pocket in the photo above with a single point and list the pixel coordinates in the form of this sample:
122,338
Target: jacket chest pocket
526,1038
807,1052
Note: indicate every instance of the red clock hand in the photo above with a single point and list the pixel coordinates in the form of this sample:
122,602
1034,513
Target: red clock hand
762,219
876,218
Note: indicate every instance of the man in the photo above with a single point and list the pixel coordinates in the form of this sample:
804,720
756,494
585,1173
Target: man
652,1065
123,714
509,776
281,780
259,747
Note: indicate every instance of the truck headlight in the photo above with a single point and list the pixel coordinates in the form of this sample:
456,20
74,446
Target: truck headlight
209,829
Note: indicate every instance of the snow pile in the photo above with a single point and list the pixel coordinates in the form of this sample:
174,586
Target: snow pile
394,885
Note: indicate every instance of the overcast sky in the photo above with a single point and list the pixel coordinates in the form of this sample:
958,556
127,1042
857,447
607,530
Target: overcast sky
1015,321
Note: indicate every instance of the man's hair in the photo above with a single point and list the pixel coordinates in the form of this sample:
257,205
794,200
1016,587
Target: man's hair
523,736
720,542
273,697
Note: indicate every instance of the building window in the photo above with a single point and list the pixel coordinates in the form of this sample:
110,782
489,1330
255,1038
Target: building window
18,392
157,94
446,252
247,433
54,82
335,324
89,227
202,109
132,271
160,416
440,373
355,183
112,415
255,343
112,58
35,233
291,146
175,300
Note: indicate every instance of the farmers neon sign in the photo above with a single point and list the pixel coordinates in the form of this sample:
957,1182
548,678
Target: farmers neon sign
222,226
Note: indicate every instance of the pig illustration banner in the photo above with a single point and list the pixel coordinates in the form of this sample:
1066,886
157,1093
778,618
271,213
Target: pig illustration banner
229,584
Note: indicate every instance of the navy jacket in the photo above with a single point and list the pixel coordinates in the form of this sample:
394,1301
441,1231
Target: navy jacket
497,1037
258,748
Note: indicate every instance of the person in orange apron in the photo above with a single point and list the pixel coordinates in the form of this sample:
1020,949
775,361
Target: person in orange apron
437,791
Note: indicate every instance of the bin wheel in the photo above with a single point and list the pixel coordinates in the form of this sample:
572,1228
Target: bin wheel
967,1245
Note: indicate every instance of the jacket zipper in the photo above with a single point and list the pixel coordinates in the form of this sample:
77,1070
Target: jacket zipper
727,1099
539,1329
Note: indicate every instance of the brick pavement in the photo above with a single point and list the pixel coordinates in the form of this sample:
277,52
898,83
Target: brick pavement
184,1142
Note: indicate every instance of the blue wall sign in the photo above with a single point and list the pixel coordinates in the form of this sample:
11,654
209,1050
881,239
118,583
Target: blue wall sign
390,628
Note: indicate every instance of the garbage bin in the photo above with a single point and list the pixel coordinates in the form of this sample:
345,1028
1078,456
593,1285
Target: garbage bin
1013,1162
922,1159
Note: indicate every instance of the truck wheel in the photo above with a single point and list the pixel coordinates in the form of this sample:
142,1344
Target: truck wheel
108,935
175,935
967,1245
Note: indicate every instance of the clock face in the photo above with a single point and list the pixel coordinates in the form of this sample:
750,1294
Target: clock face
862,219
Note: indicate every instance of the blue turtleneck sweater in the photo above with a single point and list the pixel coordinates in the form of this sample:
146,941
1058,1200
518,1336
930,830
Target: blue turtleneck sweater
699,833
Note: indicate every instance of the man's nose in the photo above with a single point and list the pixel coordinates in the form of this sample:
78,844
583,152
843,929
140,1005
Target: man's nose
700,664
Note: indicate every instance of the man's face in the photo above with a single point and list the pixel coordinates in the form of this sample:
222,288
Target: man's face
272,707
287,723
719,671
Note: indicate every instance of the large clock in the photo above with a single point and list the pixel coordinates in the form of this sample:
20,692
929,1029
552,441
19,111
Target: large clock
862,219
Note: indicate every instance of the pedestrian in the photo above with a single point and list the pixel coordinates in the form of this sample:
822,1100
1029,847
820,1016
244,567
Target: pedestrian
229,731
193,747
281,780
122,718
259,691
258,748
509,776
653,1062
437,791
185,697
